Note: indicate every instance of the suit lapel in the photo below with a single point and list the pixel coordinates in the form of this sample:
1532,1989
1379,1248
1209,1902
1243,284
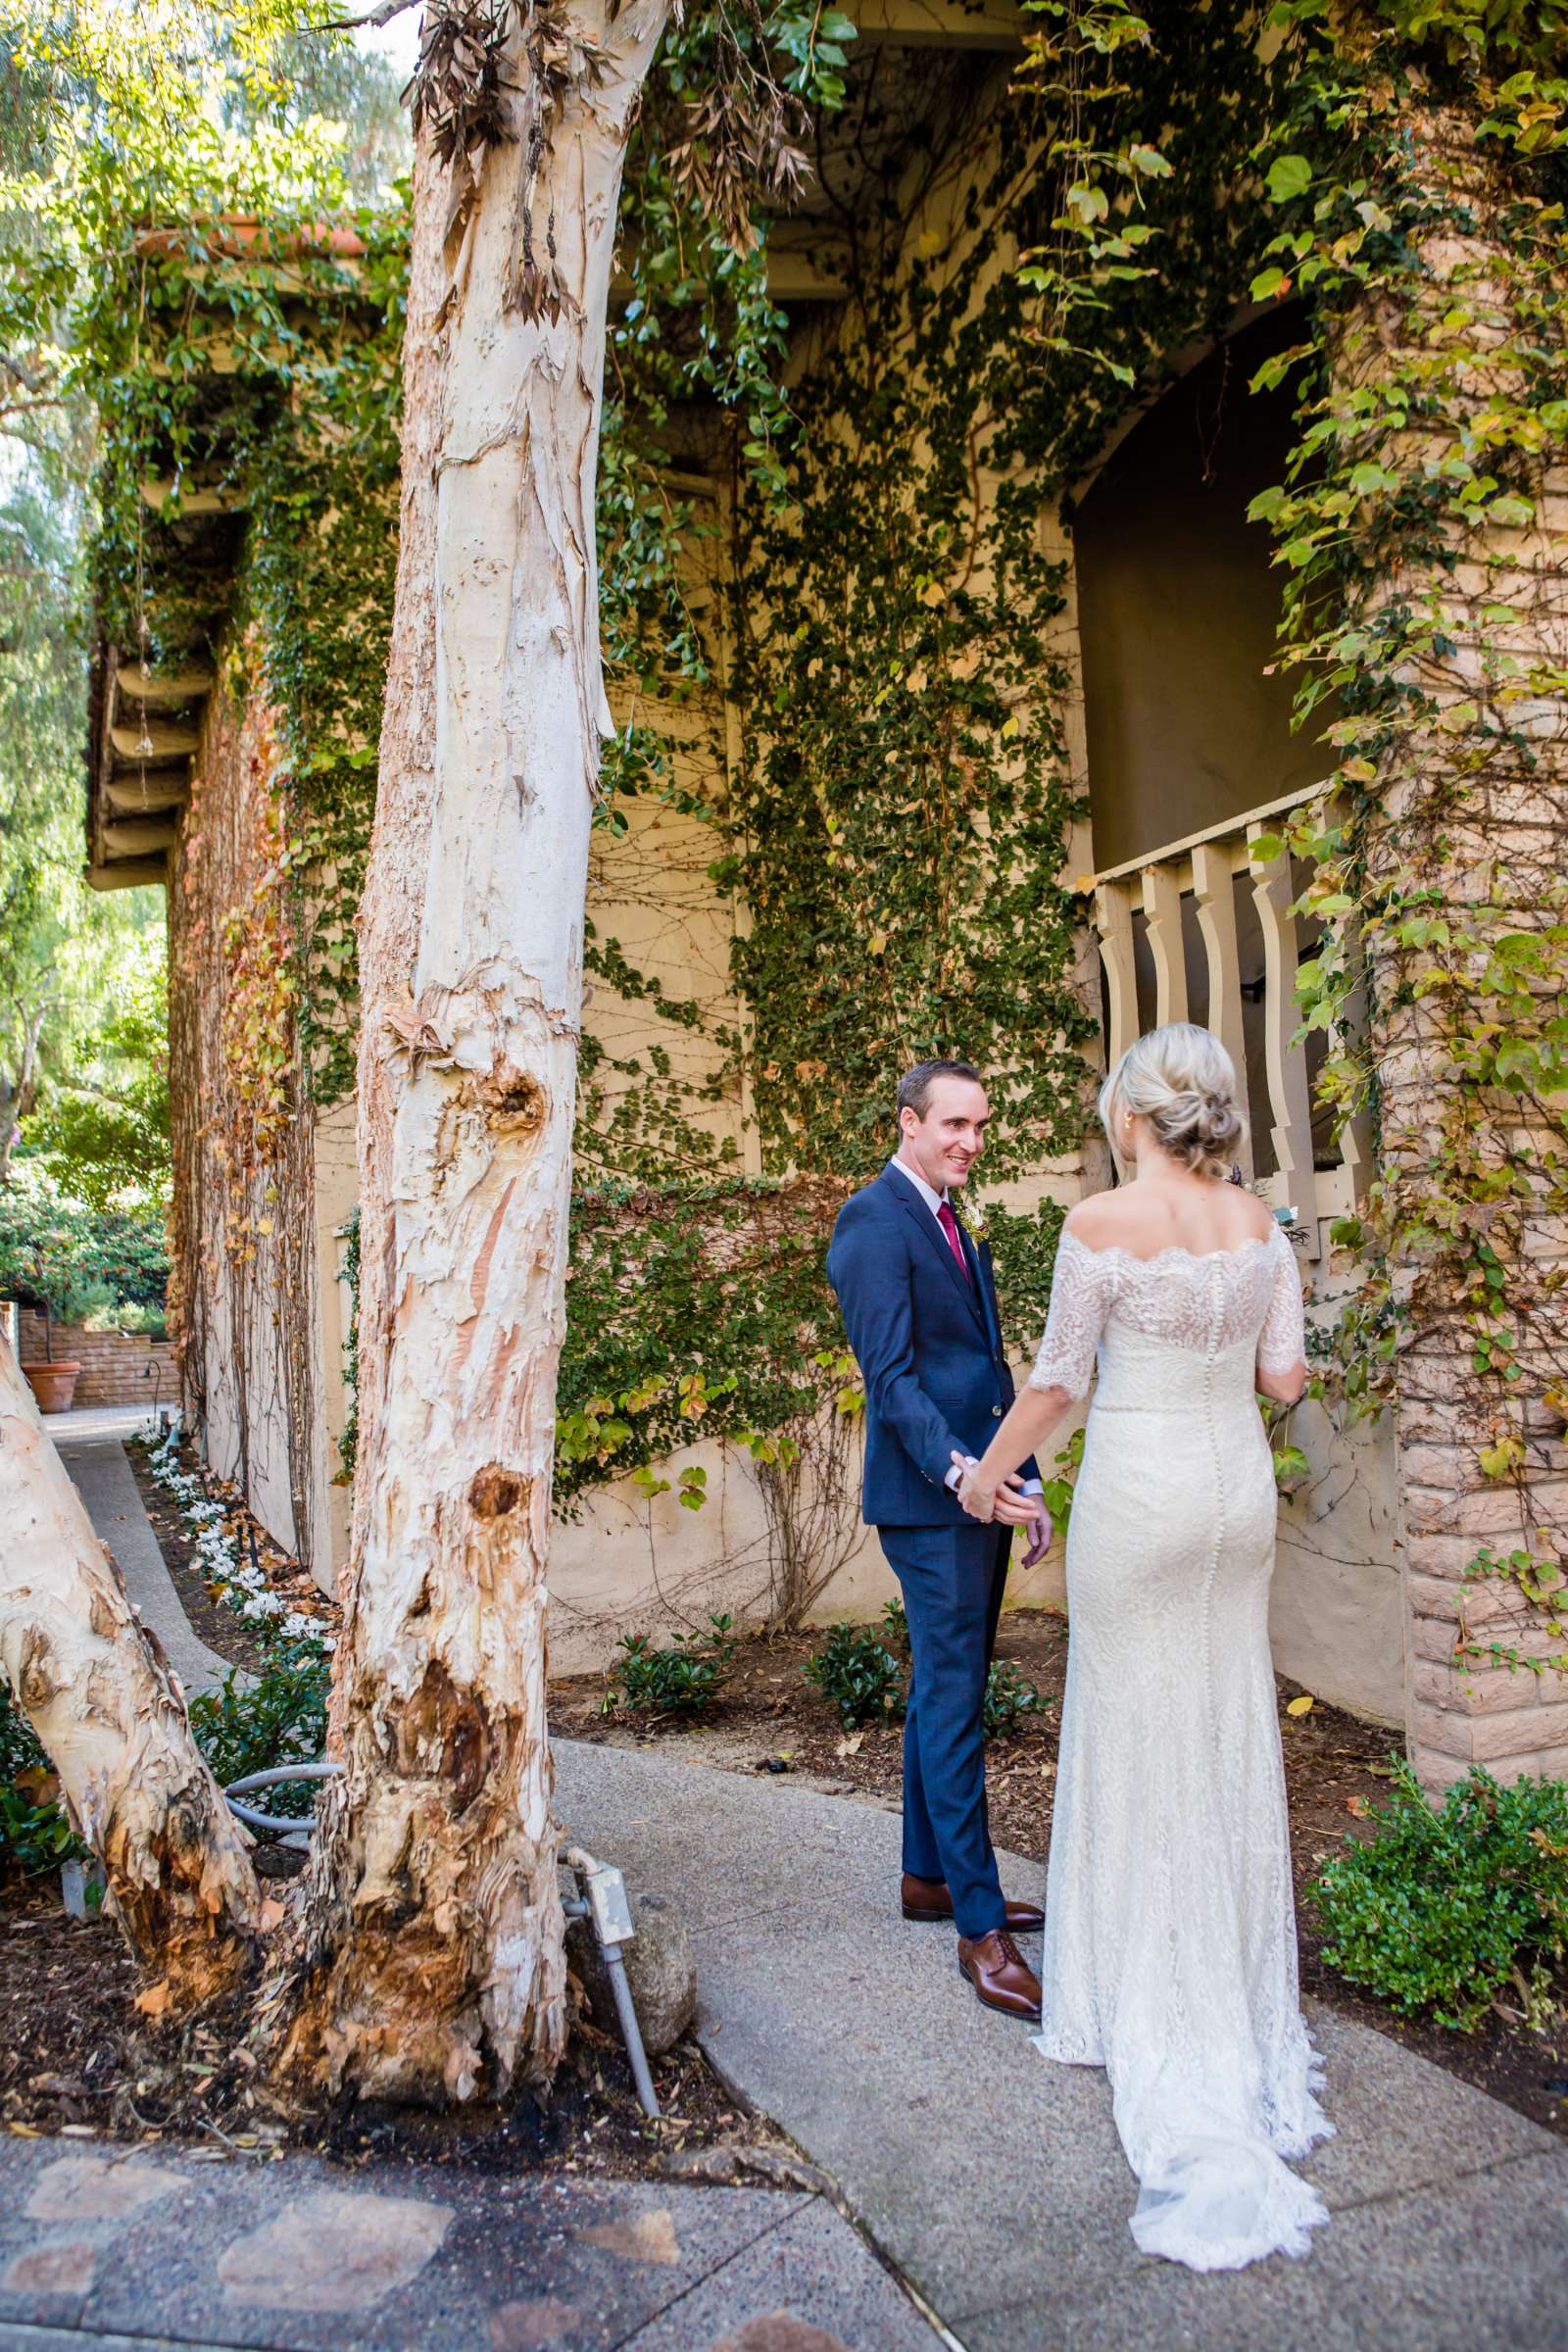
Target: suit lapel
980,1254
910,1200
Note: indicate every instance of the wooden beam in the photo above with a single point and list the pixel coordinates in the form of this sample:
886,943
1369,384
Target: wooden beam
152,740
134,874
223,356
190,499
684,484
992,24
142,837
797,274
147,796
174,686
1225,829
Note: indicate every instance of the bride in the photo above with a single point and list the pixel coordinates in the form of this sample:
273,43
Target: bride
1170,1930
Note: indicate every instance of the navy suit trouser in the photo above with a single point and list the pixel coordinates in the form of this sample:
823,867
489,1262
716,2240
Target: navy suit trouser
951,1580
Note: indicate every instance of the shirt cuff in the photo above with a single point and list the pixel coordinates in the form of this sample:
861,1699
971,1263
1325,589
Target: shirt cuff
1031,1486
955,1477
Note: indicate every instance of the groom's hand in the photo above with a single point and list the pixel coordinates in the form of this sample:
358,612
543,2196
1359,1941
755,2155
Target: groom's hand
1015,1508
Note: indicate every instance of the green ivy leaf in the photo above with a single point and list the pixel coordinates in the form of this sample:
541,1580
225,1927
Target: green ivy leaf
1289,176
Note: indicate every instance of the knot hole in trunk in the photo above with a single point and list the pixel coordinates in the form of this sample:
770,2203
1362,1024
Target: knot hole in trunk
496,1491
514,1102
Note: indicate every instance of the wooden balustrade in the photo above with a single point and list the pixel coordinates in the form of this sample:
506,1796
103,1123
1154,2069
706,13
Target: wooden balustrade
1201,929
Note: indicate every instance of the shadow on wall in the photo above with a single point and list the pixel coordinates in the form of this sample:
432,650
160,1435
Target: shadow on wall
1178,606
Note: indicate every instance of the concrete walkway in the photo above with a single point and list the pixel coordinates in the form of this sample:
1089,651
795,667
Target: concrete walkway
90,1445
125,2251
993,2180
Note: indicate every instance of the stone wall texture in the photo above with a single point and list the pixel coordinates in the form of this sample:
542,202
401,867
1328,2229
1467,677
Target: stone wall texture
1499,837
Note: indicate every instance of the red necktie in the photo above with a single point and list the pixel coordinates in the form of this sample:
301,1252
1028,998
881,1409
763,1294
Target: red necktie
950,1226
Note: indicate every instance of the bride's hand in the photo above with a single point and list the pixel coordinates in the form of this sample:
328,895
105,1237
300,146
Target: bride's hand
976,1498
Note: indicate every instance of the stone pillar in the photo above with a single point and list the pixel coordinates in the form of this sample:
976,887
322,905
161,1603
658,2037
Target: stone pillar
1490,835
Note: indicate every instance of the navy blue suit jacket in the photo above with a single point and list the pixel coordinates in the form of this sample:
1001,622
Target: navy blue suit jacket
929,1348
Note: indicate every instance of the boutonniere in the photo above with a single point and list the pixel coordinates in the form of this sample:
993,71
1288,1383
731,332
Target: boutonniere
976,1226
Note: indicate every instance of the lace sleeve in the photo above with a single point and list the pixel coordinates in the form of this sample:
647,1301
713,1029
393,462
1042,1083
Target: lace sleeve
1079,1301
1282,1341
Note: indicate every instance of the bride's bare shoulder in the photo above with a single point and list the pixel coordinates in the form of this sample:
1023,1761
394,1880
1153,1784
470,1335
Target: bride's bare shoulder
1106,1220
1144,1219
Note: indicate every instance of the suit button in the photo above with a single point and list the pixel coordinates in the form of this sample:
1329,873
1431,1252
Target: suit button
995,1412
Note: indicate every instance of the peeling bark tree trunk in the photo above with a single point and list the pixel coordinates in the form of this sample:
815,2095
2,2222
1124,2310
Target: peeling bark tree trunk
94,1683
430,1963
16,1100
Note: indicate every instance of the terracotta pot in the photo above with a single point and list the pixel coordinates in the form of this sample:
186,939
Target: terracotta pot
54,1384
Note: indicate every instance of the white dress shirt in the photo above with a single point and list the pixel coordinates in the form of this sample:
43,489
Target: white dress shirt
933,1200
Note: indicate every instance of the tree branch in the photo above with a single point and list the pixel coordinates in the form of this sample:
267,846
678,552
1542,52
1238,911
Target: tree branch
373,16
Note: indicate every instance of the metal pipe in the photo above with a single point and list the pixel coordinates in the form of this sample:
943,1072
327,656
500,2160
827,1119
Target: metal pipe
608,1906
631,2031
278,1776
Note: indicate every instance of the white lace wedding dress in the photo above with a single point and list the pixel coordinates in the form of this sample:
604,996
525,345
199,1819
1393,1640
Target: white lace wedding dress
1170,1926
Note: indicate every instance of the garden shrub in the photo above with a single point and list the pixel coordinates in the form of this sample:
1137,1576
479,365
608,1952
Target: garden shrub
1448,1912
56,1252
36,1833
277,1717
864,1680
1008,1699
129,1315
684,1679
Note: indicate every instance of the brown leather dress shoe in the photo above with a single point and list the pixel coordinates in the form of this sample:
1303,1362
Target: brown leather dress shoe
1000,1974
928,1900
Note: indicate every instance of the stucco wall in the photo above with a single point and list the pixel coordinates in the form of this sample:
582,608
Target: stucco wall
627,1565
336,1191
649,888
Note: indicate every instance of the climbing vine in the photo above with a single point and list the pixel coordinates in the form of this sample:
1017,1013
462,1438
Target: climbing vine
1398,172
264,365
905,664
899,658
1421,173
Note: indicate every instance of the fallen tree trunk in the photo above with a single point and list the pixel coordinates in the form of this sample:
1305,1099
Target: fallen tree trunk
106,1706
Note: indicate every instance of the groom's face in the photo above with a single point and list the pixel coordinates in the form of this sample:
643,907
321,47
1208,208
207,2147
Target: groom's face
946,1144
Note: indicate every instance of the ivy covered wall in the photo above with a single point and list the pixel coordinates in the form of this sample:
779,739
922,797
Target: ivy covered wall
841,611
246,1280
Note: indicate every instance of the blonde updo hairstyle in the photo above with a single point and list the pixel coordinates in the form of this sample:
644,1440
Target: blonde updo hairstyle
1183,1082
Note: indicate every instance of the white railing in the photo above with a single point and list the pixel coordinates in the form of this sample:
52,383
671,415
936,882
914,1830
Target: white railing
1201,929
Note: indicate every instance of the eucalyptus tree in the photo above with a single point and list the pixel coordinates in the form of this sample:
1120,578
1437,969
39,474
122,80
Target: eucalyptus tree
429,1960
425,1960
106,1706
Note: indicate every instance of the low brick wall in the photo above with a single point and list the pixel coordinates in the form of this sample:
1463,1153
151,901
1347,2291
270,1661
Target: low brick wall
116,1367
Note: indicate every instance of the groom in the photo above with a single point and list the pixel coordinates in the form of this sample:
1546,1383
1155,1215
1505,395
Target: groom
921,1308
